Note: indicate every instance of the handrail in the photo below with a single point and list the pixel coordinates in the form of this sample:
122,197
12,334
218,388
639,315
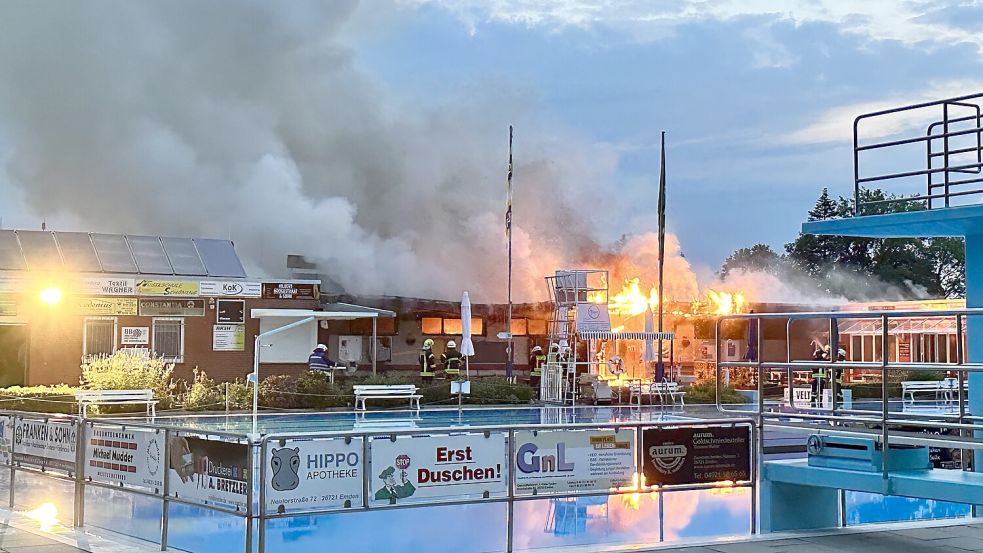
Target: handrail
961,424
902,117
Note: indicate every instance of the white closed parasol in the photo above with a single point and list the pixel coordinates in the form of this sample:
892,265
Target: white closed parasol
467,346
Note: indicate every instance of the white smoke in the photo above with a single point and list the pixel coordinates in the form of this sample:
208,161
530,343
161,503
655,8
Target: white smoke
254,120
793,287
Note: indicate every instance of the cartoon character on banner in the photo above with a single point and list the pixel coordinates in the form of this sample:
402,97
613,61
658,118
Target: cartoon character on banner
285,463
393,491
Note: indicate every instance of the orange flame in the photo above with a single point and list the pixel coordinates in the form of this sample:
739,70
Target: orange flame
631,300
726,303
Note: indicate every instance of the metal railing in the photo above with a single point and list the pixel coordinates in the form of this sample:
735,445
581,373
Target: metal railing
255,511
953,148
884,426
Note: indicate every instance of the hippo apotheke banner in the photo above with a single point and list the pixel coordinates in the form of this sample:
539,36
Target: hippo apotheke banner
420,468
573,460
210,472
313,475
696,455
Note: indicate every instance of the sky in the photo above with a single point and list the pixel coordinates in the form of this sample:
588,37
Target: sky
756,98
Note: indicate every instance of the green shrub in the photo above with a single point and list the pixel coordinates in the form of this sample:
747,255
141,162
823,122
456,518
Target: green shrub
203,394
498,390
706,392
59,398
318,393
130,370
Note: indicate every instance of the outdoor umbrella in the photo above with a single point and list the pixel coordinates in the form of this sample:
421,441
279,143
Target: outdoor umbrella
649,355
467,346
752,340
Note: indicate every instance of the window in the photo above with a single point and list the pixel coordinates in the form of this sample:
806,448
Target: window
385,326
168,338
520,327
431,325
450,327
99,336
536,327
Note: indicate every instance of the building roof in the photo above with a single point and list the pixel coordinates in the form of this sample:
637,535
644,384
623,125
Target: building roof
118,254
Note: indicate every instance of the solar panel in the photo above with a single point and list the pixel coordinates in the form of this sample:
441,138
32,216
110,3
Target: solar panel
220,258
77,251
113,253
184,256
39,249
11,258
149,255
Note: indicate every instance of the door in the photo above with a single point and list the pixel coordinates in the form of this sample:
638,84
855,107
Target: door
13,355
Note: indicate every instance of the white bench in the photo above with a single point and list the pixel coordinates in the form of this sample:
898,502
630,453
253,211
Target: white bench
386,391
86,398
911,387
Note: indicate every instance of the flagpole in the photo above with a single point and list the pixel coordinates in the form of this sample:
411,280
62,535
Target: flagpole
660,369
508,231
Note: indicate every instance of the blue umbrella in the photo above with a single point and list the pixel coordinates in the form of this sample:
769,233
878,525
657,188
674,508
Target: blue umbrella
752,340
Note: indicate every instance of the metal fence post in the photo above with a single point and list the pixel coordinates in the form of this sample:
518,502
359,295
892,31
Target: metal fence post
510,512
885,448
165,463
262,495
757,434
80,429
250,471
13,455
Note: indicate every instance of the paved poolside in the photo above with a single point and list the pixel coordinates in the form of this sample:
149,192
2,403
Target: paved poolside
953,537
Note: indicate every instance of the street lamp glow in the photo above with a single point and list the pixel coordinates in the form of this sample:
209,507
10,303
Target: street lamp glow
51,296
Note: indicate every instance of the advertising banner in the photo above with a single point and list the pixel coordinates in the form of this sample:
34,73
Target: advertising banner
48,445
208,471
131,456
101,286
593,317
290,291
172,308
696,455
229,338
107,306
230,288
147,287
313,474
135,335
573,460
414,469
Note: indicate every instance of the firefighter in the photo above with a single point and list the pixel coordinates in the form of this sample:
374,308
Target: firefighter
536,360
428,361
451,359
320,363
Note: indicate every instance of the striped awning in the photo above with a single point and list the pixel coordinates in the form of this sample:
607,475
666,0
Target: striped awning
597,335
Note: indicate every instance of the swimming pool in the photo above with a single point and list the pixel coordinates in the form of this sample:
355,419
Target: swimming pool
606,520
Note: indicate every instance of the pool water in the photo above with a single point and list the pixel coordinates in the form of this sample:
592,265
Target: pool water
428,418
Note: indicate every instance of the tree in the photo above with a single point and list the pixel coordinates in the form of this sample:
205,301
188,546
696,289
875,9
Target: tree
859,268
757,258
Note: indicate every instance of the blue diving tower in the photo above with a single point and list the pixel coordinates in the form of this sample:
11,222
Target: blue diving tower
928,159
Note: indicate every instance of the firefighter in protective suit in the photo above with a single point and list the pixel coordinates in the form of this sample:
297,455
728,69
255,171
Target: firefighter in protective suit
451,359
428,361
536,361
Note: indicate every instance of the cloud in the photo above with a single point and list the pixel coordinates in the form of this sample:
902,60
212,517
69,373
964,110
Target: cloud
835,125
908,22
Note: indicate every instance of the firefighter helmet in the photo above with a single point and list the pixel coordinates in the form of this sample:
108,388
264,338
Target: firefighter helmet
428,343
322,347
537,348
452,344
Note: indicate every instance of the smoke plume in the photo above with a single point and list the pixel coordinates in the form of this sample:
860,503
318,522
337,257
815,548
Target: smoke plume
254,120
